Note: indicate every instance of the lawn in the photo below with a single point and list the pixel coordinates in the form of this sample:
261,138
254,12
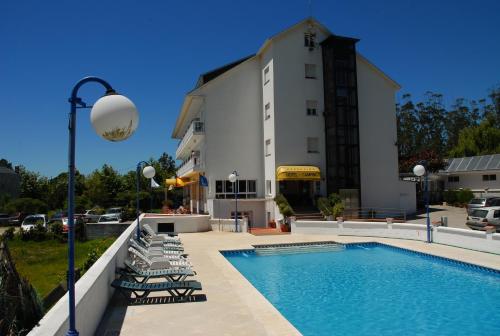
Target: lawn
45,264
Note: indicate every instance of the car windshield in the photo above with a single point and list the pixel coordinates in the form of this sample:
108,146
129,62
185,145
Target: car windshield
479,213
477,201
33,220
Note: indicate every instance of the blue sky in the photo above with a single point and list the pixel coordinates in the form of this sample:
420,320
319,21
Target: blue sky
153,52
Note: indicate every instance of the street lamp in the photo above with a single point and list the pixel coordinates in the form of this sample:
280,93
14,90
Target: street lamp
148,172
115,118
420,170
233,178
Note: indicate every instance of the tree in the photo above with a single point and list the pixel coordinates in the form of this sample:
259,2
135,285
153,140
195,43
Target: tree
5,163
32,184
462,115
406,126
478,140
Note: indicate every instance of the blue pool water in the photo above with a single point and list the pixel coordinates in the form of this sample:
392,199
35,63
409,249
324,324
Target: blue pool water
376,290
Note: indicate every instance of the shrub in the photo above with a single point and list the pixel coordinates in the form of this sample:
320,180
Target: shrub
26,205
324,206
464,196
338,210
287,211
56,228
80,229
450,196
128,214
9,234
92,257
334,199
38,233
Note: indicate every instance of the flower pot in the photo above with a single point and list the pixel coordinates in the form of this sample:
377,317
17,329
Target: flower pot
340,219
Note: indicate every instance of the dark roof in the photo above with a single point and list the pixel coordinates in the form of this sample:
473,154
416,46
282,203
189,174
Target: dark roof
473,163
208,76
5,170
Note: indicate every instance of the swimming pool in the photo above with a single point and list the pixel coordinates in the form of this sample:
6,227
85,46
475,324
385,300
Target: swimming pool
374,289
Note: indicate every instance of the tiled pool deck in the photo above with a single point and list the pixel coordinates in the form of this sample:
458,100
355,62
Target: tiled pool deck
234,306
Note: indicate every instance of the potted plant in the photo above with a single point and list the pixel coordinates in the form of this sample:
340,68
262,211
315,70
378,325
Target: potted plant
272,224
287,212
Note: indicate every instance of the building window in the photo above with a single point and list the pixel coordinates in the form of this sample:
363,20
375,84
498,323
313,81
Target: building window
266,75
267,111
312,145
312,107
311,71
309,40
269,190
268,147
225,189
453,179
490,177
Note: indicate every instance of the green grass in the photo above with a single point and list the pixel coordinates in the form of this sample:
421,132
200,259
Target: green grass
45,263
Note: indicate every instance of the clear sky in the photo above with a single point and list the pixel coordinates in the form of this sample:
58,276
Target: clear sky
153,52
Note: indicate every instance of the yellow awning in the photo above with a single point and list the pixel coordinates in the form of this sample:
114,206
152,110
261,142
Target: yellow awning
176,182
298,173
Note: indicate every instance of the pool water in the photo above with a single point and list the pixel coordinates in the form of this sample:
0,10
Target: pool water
376,290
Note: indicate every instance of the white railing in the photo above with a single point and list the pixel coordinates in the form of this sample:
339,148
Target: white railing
193,164
195,128
473,240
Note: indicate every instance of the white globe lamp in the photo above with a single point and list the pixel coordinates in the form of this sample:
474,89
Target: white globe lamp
232,177
114,117
419,170
149,172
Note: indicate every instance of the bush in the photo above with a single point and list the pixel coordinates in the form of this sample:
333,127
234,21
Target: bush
287,211
338,210
26,206
324,206
458,197
128,214
92,257
9,234
56,228
334,199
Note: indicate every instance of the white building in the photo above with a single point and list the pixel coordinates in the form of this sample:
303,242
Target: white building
480,174
305,116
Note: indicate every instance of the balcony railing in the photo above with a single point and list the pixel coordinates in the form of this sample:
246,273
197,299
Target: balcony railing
193,164
190,140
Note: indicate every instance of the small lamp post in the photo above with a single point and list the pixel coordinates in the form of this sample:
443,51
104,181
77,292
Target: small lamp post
420,171
148,172
233,178
115,118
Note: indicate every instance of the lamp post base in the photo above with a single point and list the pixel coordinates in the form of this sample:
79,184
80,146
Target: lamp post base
72,333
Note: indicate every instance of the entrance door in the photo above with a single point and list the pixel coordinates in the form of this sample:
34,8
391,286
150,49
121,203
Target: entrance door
298,193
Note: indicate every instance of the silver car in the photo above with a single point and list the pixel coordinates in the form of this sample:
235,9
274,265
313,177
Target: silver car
30,221
481,217
482,202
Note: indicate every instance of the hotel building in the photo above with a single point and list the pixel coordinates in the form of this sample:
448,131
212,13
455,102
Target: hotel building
305,116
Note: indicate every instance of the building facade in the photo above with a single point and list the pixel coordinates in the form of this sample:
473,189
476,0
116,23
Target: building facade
480,174
306,116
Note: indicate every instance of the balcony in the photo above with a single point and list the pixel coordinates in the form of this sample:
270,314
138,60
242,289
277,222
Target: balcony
190,166
191,140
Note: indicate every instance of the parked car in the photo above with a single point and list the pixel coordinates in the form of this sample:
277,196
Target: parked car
64,221
91,216
30,221
115,211
16,218
4,219
109,219
482,202
481,217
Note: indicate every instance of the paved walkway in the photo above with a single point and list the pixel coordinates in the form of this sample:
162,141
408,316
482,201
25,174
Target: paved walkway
456,216
234,306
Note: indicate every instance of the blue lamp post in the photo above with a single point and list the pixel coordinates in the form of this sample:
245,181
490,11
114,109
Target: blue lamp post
420,170
148,172
115,118
233,178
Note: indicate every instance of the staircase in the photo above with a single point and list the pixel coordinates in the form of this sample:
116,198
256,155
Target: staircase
308,214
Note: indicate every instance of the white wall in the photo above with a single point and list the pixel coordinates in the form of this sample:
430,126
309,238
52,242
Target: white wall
377,137
291,90
473,240
474,181
233,131
92,291
407,196
222,208
182,223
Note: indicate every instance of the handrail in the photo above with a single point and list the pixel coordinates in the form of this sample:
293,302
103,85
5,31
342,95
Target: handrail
373,213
